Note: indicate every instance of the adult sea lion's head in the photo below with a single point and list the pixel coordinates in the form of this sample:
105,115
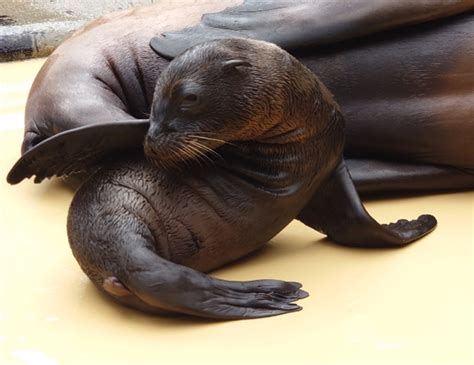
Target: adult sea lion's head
226,91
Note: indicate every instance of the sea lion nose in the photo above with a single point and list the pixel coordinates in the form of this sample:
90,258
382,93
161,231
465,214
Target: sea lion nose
148,139
156,132
152,132
151,146
152,135
157,129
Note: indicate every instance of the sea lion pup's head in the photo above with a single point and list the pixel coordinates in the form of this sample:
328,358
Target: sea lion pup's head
233,90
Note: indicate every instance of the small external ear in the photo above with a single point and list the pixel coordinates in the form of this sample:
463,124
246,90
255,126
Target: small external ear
165,48
232,64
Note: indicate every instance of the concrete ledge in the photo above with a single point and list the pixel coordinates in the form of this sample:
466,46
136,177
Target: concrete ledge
31,28
34,40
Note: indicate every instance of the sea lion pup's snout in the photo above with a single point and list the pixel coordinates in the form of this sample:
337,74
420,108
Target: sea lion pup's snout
221,91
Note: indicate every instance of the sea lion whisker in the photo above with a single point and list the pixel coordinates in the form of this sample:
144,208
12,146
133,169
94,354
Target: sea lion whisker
178,152
182,158
206,148
188,153
207,138
163,163
200,153
194,155
212,139
201,156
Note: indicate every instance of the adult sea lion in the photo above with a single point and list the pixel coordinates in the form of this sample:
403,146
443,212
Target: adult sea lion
406,94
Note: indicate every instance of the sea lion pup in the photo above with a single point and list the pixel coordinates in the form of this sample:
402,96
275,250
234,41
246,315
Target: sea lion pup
144,231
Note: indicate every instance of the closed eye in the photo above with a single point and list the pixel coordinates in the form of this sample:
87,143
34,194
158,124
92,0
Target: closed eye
189,101
191,98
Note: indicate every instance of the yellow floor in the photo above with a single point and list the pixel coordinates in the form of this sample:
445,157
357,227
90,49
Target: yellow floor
407,306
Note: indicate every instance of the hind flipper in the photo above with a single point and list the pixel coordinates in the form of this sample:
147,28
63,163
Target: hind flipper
371,176
337,211
299,25
77,149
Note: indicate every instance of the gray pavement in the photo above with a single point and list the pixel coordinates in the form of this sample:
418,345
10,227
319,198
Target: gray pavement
34,28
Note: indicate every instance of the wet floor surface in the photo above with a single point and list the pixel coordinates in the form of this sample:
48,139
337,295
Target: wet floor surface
406,306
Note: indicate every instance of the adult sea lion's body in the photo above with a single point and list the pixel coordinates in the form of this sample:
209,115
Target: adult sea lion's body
132,225
406,94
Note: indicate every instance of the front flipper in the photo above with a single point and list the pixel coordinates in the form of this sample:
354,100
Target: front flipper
298,25
164,286
77,149
337,211
152,284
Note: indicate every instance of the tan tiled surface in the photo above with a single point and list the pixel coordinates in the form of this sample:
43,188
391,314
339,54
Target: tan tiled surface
408,306
15,82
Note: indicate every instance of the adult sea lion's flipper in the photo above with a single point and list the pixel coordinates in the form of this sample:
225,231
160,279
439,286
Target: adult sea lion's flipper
77,149
301,24
374,176
337,211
